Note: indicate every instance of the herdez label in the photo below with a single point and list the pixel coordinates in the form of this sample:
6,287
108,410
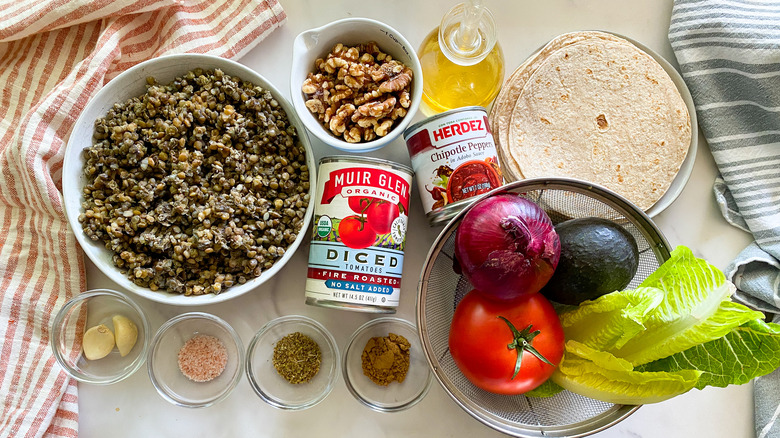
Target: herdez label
454,158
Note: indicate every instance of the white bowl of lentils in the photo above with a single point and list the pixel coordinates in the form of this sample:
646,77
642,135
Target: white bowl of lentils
188,178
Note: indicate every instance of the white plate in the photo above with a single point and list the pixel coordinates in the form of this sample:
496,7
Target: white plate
131,83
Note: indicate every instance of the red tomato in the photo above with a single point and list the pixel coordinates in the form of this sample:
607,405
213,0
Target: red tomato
355,232
380,215
359,204
479,342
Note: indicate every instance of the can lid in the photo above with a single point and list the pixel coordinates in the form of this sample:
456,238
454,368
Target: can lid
366,160
440,217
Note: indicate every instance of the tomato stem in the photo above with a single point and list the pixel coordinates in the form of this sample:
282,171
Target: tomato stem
362,220
367,202
522,342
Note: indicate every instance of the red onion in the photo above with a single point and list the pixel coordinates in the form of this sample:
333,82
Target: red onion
506,246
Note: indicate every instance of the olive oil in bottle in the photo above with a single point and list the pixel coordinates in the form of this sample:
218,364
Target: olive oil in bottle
462,62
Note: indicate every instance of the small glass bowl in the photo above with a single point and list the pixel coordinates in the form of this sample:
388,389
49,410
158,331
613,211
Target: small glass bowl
395,396
163,363
270,385
89,309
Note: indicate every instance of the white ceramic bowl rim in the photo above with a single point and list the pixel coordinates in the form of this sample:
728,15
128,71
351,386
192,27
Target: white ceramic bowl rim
127,85
315,43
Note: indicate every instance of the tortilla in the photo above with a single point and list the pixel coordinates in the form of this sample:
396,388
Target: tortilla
601,110
503,105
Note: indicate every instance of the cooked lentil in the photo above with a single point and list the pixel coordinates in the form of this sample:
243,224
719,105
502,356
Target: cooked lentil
196,185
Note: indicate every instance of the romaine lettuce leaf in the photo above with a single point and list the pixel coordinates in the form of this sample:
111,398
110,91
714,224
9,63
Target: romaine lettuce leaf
610,321
678,330
602,376
546,389
748,351
695,309
683,303
662,339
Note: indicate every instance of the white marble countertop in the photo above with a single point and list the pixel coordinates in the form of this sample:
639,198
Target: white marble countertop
132,408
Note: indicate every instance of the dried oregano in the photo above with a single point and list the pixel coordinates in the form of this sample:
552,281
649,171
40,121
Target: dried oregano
297,358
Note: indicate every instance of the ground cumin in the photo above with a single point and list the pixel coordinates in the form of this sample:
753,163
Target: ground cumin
386,359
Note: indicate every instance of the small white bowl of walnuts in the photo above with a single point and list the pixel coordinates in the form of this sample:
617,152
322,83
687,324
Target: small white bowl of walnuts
356,83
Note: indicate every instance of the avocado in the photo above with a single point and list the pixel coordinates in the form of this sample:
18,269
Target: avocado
598,256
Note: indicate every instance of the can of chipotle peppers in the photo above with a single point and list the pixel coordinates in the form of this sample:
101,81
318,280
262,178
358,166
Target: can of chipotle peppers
361,212
455,160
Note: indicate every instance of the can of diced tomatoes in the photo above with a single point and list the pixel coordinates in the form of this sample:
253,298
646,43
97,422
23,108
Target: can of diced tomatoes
454,158
361,212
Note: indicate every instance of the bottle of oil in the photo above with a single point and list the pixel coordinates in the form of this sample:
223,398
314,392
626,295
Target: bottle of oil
461,60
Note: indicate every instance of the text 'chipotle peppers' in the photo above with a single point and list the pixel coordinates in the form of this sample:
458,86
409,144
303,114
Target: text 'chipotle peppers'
506,246
360,214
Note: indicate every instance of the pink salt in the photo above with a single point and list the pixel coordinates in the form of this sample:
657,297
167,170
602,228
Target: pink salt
202,358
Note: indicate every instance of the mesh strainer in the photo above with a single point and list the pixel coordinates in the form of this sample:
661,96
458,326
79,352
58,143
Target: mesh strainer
440,289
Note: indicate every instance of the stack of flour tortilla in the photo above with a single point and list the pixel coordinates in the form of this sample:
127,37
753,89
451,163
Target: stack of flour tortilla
593,106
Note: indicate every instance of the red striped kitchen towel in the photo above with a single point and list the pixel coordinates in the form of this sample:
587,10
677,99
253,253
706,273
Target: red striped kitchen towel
54,56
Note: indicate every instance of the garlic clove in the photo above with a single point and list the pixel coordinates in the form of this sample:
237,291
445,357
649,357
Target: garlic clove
97,342
126,333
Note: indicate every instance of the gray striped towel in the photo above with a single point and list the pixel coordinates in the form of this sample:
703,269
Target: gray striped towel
729,55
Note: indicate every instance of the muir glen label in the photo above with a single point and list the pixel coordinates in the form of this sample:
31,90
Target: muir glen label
454,159
356,255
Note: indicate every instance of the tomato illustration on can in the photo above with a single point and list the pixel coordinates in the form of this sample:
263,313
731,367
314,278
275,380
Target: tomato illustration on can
472,178
455,159
359,234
